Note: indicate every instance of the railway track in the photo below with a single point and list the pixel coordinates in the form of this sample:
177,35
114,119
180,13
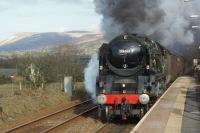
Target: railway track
115,128
64,125
117,125
55,120
73,119
101,128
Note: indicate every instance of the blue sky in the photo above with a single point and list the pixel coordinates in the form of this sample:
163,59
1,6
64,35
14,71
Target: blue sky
47,16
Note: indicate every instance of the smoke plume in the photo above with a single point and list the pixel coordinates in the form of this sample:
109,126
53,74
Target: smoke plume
166,21
91,73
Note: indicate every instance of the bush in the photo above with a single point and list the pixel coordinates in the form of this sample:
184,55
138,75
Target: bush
44,67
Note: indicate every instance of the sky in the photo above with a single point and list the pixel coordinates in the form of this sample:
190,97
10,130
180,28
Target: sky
47,16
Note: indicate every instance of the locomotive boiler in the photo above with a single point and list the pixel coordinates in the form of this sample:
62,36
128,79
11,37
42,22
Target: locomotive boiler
133,72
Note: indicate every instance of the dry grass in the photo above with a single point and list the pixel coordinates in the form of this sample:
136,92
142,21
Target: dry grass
22,103
6,89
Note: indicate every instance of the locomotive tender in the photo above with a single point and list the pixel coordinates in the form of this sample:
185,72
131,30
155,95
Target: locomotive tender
133,72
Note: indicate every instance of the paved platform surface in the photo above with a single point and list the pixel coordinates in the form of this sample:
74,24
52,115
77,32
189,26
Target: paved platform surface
177,111
191,115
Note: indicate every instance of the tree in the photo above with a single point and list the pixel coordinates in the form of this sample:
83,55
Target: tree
44,67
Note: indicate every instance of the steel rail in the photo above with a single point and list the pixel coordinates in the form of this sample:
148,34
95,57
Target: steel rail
101,128
49,115
69,120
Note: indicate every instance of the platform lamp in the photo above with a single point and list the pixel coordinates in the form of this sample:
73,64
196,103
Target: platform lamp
188,0
196,29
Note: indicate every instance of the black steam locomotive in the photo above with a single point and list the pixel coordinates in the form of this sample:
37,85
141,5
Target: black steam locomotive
133,71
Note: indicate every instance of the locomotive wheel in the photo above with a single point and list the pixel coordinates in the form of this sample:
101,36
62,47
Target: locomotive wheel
107,114
99,112
104,114
141,113
146,108
163,87
157,89
143,110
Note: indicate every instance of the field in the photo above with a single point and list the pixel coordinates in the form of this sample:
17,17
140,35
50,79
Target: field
18,104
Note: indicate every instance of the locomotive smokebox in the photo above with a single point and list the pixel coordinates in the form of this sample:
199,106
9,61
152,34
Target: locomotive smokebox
125,53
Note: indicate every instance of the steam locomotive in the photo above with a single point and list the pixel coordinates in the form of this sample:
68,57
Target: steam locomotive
133,72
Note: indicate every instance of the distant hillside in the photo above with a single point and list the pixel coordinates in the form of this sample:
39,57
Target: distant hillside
90,47
37,41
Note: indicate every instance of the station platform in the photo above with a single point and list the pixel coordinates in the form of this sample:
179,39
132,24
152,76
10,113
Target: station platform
177,110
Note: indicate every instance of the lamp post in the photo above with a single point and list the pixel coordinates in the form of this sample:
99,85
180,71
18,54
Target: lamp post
196,31
194,18
12,84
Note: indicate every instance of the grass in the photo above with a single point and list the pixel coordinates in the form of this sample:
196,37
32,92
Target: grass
6,90
16,103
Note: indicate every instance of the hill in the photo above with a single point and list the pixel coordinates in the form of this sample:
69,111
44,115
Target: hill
21,42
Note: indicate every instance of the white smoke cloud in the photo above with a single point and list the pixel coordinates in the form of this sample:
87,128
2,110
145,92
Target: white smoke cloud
113,28
176,24
90,75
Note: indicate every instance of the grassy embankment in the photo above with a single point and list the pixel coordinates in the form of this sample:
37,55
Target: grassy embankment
17,104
